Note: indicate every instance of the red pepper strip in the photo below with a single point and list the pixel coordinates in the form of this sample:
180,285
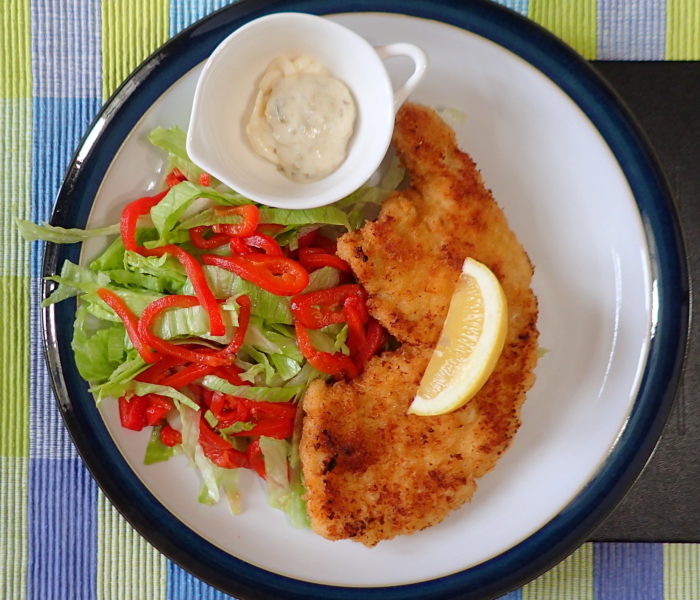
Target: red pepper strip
132,412
130,323
130,216
336,364
205,394
214,241
375,338
230,373
243,319
205,179
218,450
237,245
272,419
276,274
273,428
169,436
255,458
174,177
324,307
315,258
251,218
356,317
265,243
202,290
314,238
308,239
262,411
187,375
158,407
229,409
158,371
185,354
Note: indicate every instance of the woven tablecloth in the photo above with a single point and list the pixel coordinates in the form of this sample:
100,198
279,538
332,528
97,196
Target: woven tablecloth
59,536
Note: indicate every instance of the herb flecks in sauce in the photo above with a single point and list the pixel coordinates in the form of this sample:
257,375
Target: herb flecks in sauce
303,118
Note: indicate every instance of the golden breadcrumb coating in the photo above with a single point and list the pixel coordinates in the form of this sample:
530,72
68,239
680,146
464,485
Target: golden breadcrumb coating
372,471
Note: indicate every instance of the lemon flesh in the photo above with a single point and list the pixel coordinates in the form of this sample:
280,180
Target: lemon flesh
471,341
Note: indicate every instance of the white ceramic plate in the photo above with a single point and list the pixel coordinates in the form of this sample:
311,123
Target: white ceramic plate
573,207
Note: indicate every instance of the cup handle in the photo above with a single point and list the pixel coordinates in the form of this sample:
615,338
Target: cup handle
420,60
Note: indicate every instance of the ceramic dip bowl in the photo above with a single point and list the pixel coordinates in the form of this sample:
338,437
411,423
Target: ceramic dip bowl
225,93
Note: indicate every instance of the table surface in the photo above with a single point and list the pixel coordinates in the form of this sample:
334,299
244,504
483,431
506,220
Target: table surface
59,536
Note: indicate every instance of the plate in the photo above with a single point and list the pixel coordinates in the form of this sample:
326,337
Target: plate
582,191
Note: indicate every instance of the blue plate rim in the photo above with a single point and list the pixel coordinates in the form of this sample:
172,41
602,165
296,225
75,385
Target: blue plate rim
564,532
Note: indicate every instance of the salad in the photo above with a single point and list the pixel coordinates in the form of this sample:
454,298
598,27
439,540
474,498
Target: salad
207,316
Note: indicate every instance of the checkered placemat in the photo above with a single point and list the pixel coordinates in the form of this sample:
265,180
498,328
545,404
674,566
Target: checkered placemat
59,537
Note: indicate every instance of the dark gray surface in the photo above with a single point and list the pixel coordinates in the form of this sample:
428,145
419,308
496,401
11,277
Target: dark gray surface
664,504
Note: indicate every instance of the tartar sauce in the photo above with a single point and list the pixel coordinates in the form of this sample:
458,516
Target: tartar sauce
303,118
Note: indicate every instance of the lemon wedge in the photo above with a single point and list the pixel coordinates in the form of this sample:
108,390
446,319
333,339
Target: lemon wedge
471,341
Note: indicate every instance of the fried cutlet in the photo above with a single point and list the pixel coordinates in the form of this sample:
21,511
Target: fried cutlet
372,471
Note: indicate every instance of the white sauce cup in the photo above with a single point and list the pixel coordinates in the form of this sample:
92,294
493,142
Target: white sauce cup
223,100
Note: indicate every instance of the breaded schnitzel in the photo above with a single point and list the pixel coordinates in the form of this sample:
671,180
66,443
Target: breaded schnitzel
372,471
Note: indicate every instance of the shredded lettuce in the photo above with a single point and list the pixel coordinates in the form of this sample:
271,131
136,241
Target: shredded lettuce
283,492
166,214
73,281
113,256
118,382
284,366
208,217
98,352
168,271
58,235
192,322
174,141
270,358
237,428
324,215
224,284
358,204
213,478
136,300
140,388
156,450
322,279
265,394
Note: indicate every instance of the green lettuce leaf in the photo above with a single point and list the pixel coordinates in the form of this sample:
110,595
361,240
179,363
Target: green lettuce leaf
322,279
265,394
285,367
75,280
282,492
324,215
208,217
136,300
237,428
166,269
166,214
360,204
138,281
263,304
120,379
140,388
156,450
214,479
113,256
174,141
98,352
58,235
